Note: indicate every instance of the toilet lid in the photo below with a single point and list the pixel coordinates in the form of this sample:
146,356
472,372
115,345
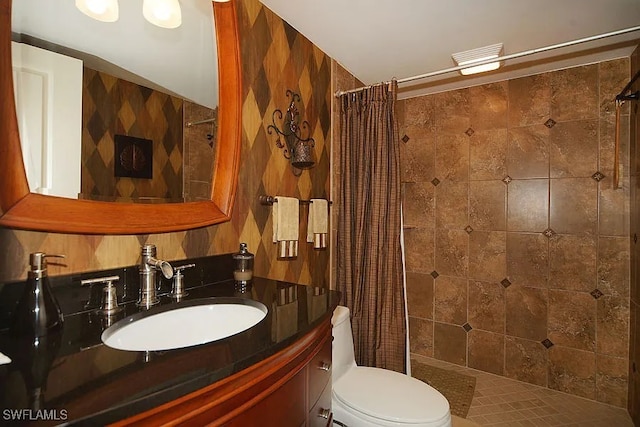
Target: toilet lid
391,396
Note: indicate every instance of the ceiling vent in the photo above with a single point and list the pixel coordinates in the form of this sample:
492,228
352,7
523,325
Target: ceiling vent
480,55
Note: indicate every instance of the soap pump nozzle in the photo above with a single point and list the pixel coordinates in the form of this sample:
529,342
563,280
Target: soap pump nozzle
37,312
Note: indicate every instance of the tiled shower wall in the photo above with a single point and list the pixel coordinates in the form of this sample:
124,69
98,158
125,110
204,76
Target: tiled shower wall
275,58
517,245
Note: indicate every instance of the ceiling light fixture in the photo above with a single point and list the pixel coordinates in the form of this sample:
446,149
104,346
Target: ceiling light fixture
481,54
101,10
163,13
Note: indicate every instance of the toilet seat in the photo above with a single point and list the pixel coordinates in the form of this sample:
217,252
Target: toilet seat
391,397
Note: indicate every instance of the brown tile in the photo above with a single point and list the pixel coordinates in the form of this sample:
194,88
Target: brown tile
420,295
613,326
488,154
526,312
420,111
613,215
613,266
421,336
452,114
486,306
452,248
486,351
489,106
573,148
417,155
452,200
487,205
450,302
612,380
528,259
525,361
574,205
487,255
574,93
419,244
613,75
572,319
529,100
528,205
607,149
572,371
528,152
572,261
452,157
418,204
450,343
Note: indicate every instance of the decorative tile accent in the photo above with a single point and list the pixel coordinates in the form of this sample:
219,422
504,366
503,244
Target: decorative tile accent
435,181
469,132
547,343
467,327
434,274
598,176
505,282
468,229
507,179
405,138
549,233
550,123
596,293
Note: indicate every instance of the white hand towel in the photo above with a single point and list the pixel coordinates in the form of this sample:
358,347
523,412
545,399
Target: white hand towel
4,359
318,226
286,222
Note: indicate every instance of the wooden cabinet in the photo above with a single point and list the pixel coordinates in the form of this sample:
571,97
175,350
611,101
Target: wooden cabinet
290,388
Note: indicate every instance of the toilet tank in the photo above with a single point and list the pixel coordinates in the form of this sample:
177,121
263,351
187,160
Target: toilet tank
342,355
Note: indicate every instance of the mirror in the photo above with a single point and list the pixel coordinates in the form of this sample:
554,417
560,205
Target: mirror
102,115
31,211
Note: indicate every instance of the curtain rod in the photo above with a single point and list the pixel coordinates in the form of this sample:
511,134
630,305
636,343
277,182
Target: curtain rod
501,58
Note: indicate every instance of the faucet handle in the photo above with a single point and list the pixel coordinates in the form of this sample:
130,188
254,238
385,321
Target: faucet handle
109,303
180,268
177,291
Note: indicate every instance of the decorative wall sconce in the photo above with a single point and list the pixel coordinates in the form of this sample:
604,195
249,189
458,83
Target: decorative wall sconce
298,149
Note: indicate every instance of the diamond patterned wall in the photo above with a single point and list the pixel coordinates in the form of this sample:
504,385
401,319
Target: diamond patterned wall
112,106
275,58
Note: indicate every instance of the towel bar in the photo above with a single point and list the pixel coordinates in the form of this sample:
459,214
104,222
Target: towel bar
270,200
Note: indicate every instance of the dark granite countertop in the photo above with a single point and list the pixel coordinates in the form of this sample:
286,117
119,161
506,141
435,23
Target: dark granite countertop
80,381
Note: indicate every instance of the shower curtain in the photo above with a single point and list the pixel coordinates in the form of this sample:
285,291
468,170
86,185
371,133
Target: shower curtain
369,253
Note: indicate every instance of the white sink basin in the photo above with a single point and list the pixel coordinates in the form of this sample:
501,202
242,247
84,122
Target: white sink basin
193,323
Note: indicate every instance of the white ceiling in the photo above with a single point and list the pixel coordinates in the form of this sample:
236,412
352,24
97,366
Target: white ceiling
179,61
377,40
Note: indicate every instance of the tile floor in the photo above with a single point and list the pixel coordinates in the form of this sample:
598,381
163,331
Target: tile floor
500,401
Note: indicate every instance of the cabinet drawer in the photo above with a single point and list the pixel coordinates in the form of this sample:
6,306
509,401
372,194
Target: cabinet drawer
320,371
320,414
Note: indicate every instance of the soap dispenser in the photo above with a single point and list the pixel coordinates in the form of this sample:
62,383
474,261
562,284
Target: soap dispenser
243,260
38,312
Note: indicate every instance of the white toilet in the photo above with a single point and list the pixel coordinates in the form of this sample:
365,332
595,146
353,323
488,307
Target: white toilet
364,396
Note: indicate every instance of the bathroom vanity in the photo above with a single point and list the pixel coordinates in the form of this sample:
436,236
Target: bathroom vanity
278,372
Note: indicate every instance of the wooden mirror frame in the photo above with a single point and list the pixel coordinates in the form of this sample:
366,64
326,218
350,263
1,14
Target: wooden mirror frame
19,208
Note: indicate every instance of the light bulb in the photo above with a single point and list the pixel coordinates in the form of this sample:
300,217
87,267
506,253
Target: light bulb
98,7
163,13
101,10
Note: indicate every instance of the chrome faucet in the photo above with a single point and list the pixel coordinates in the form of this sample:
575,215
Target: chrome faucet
148,267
